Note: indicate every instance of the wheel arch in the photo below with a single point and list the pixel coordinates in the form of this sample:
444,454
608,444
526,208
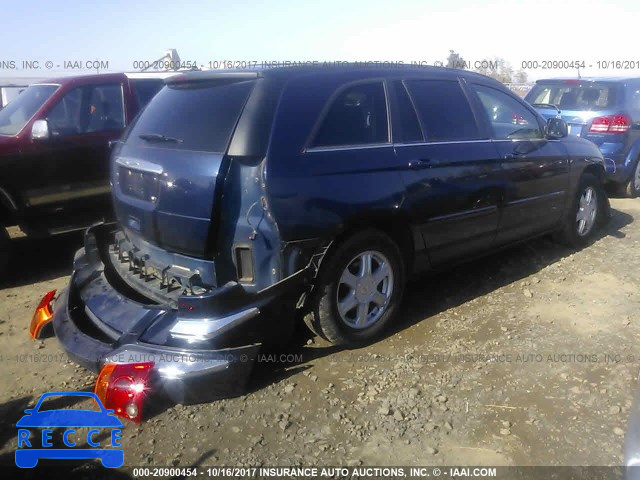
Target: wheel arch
596,170
395,226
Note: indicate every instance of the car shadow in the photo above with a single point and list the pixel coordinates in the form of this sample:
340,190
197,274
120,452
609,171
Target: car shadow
446,289
10,413
36,260
13,410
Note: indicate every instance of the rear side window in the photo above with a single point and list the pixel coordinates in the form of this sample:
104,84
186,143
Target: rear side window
508,117
575,95
444,110
106,109
634,97
197,116
144,90
409,123
358,116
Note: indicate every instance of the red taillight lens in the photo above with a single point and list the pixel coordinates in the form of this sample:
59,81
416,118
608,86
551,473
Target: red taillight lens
43,315
123,388
610,124
620,123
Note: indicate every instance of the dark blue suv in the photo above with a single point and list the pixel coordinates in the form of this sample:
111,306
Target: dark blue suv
603,110
246,198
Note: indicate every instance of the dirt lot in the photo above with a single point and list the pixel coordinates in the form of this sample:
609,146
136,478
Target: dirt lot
527,357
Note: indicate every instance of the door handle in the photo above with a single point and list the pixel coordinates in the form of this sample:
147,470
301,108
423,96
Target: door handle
513,156
420,163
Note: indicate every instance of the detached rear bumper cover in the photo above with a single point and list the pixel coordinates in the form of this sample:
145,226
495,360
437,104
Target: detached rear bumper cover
197,350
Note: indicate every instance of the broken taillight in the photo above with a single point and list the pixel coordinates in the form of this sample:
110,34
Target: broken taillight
43,315
123,387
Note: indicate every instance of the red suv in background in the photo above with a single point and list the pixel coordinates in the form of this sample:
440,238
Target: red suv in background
54,150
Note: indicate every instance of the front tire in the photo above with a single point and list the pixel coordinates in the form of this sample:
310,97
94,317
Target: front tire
586,213
358,290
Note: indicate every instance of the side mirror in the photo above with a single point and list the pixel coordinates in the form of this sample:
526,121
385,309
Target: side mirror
40,130
557,128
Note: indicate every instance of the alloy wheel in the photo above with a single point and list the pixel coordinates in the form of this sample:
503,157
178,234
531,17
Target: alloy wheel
365,289
587,211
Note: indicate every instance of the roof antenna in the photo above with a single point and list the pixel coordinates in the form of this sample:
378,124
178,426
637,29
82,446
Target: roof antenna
579,73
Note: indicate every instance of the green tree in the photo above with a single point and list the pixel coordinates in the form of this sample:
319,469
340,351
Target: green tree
455,60
499,69
521,76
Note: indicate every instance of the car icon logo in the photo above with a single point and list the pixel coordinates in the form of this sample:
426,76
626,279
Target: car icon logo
33,446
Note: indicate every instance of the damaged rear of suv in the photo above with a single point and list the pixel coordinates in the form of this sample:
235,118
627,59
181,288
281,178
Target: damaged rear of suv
193,263
243,197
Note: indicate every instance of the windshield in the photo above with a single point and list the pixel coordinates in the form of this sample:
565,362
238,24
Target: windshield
16,114
575,95
192,116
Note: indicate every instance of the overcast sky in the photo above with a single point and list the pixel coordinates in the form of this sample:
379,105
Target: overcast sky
121,32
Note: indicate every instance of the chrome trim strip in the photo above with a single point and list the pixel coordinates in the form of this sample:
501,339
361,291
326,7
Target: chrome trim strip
142,165
448,142
513,140
197,330
465,213
537,197
348,147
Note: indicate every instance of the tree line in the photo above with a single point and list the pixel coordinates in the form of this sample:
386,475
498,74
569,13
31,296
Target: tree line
497,68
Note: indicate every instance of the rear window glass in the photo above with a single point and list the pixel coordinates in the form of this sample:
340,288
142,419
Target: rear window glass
144,90
575,96
192,116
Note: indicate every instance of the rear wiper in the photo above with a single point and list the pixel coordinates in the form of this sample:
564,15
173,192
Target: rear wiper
156,137
546,105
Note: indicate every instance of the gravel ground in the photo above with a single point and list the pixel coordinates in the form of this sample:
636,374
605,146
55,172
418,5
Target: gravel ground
526,357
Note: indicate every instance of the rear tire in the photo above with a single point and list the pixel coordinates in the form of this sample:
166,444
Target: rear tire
632,188
358,290
586,213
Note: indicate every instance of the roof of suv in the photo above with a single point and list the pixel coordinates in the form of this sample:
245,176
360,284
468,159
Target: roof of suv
354,70
107,77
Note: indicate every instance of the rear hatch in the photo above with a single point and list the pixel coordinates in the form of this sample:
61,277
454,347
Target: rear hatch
590,108
168,173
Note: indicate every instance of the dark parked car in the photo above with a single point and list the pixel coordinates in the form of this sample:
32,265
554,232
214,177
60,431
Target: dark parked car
603,110
632,440
243,196
54,151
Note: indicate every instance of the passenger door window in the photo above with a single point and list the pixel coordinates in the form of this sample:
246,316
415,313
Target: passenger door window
508,117
444,110
358,116
87,109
